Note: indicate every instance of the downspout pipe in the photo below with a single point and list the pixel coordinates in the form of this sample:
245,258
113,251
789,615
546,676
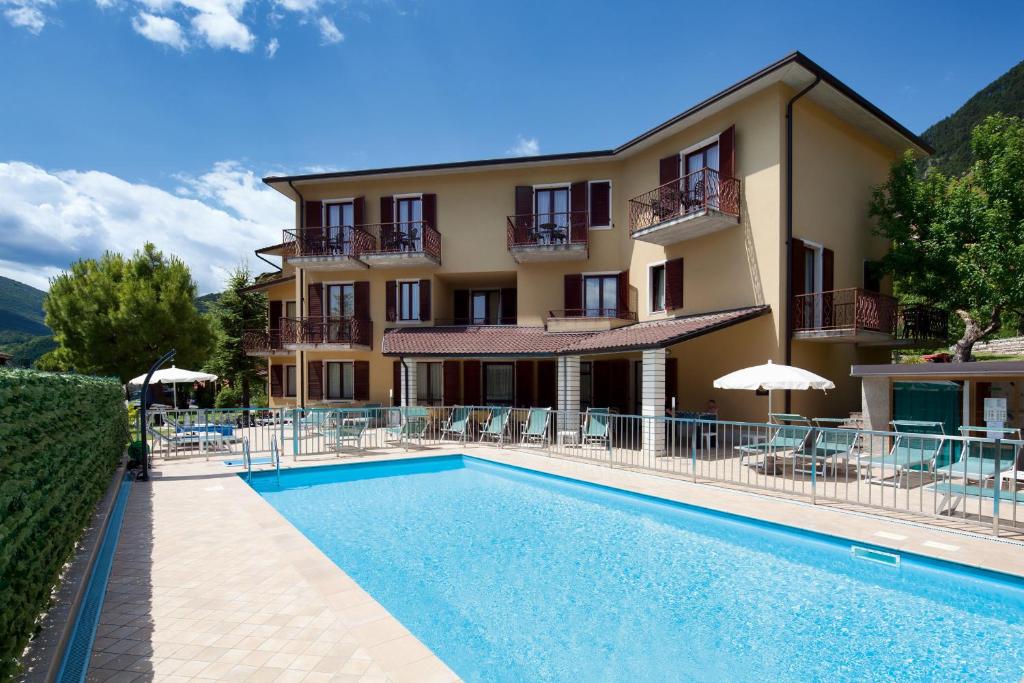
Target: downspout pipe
789,228
301,281
405,382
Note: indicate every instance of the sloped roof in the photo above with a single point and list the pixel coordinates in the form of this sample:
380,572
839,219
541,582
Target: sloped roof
509,340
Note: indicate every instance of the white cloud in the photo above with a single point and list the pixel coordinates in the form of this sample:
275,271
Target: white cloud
27,14
299,5
329,33
221,29
524,147
160,30
272,48
49,219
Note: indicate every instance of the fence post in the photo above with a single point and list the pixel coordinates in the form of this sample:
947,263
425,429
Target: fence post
295,433
998,487
694,437
814,468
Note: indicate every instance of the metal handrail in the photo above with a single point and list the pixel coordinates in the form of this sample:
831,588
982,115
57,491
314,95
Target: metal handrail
695,192
332,240
555,228
326,330
856,309
403,237
617,313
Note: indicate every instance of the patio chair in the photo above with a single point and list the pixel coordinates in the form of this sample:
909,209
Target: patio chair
595,427
984,464
831,444
954,494
457,425
917,445
496,425
351,429
785,438
536,428
414,422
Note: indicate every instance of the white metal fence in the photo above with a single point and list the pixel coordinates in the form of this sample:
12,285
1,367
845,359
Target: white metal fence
913,469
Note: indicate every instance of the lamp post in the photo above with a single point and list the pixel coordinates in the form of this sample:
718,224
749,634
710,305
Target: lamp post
142,411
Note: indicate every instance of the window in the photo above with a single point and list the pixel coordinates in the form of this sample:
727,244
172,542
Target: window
551,206
600,295
586,385
409,300
409,222
499,384
485,307
695,181
873,276
428,384
289,380
340,381
658,287
339,218
289,310
812,308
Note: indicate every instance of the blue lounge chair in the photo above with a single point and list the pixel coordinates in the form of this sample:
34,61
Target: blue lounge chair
830,444
457,425
413,426
978,461
953,494
917,445
496,425
595,427
536,428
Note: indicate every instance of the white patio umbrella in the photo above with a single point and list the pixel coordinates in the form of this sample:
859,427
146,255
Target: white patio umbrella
770,377
174,376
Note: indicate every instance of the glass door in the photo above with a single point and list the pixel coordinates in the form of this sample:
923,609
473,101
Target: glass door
551,220
701,184
341,308
340,219
409,215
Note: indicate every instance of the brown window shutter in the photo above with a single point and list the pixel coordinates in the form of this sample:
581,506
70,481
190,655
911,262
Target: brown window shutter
471,382
622,291
450,374
573,296
671,381
460,306
430,210
546,384
524,384
578,206
673,284
727,153
362,301
361,380
315,303
359,211
314,214
828,270
396,383
387,210
600,203
668,169
424,299
391,301
315,380
277,380
509,304
524,200
797,266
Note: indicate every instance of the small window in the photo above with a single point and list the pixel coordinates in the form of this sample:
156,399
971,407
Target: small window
340,381
485,306
600,296
499,384
658,288
409,300
428,384
289,380
289,310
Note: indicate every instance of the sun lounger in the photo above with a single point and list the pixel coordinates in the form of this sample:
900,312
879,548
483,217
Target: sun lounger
915,448
351,428
496,425
830,445
536,428
457,426
595,427
979,461
413,425
954,494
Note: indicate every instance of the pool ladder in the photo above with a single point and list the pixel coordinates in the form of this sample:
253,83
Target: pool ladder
275,458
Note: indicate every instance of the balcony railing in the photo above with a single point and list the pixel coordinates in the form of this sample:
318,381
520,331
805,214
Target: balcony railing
326,330
470,321
617,313
261,341
857,310
332,240
692,194
547,229
409,237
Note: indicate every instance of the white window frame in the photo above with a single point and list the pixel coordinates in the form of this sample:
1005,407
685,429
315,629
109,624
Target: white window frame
611,221
405,195
398,302
650,289
340,200
324,381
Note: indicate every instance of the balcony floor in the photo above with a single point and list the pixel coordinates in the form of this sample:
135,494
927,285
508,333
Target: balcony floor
316,346
339,262
686,227
853,336
400,259
546,253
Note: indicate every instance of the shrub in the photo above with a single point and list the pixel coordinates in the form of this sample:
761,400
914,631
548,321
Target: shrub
61,436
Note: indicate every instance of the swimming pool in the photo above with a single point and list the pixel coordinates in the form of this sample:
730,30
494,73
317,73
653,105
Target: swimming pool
512,575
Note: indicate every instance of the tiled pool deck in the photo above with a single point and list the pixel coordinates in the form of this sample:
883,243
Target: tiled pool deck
211,583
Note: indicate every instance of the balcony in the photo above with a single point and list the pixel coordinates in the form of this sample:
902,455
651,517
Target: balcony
864,317
588,319
538,238
697,204
335,247
401,245
328,334
262,343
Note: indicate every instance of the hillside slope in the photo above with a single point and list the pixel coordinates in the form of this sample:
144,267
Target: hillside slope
21,308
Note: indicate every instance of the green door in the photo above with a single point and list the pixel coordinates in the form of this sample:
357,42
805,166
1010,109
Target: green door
931,402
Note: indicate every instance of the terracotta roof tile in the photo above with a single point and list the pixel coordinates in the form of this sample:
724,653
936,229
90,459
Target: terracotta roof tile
508,340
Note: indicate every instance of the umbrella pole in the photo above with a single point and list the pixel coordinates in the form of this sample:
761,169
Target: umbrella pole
769,405
174,389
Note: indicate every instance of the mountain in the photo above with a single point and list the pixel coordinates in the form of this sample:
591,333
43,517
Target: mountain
23,334
951,137
204,302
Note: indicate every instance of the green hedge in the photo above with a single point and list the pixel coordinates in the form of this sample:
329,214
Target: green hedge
61,436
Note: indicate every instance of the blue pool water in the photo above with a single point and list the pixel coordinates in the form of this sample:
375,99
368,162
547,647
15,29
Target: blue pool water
510,575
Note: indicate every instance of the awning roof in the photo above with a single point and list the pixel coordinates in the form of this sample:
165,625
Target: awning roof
507,340
266,284
918,371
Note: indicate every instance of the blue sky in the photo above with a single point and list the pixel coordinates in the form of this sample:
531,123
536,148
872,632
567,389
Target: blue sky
106,102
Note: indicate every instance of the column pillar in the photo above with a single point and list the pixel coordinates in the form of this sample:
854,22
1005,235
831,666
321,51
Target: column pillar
567,378
408,378
967,416
653,401
876,403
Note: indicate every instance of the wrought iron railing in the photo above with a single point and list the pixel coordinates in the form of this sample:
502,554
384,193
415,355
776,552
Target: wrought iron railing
326,330
693,193
470,321
618,313
332,240
408,237
547,229
261,341
856,310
